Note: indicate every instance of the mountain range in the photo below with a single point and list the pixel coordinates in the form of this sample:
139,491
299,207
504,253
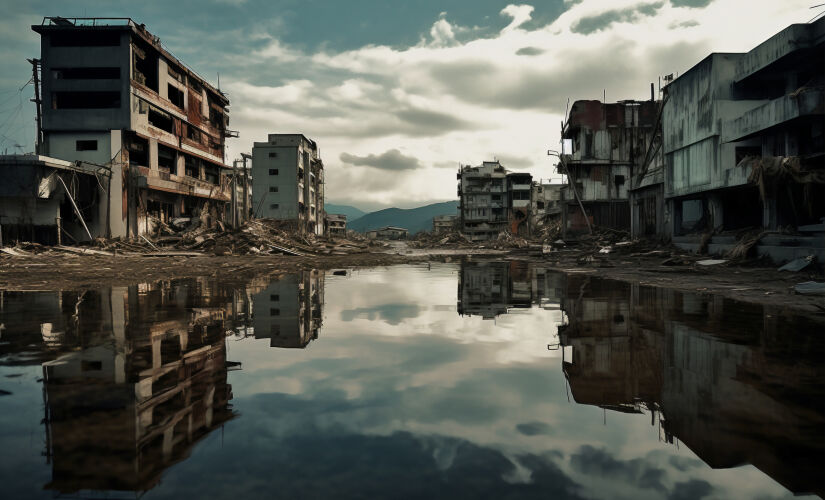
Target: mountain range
414,219
351,212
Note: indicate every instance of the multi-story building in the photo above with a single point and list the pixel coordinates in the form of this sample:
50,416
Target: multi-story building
289,183
493,200
444,223
610,143
113,95
744,141
388,233
288,311
337,225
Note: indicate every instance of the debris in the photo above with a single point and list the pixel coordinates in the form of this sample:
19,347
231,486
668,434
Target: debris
810,288
797,265
606,250
711,262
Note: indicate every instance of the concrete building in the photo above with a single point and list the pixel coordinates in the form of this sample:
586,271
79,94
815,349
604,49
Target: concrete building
744,141
493,200
288,312
388,233
609,145
444,223
290,182
113,96
336,225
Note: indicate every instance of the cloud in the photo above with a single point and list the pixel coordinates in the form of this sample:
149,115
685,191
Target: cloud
587,25
529,51
598,462
534,429
520,15
694,489
691,3
389,160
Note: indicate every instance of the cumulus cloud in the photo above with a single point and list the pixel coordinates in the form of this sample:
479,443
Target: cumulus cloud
389,160
458,96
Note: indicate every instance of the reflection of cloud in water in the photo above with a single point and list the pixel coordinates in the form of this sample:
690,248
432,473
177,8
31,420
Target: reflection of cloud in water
393,314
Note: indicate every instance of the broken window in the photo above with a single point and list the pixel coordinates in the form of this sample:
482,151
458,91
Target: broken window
540,205
193,133
191,166
274,312
618,180
166,158
174,72
743,152
145,66
138,149
161,120
273,189
86,73
78,38
275,297
175,95
273,171
88,145
85,100
211,174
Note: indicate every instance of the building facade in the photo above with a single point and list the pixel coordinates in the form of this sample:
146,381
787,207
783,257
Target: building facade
288,311
337,225
609,145
493,200
388,233
289,183
744,143
444,223
112,95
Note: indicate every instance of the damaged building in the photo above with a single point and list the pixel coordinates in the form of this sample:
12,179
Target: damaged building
114,97
609,145
493,200
290,182
336,225
744,143
444,224
288,311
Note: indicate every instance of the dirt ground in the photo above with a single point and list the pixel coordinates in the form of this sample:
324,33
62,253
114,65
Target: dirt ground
762,285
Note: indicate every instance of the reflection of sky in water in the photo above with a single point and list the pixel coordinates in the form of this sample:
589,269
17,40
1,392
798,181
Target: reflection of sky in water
402,397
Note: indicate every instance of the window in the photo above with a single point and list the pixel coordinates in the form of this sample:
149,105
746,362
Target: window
273,171
166,158
161,120
275,297
91,366
85,100
77,38
192,166
273,189
85,146
273,155
274,206
175,95
86,73
619,180
274,311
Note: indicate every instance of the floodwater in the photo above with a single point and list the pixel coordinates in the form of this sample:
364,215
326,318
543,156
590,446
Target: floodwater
472,380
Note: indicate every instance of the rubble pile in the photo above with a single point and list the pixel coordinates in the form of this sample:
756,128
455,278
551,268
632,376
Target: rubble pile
453,239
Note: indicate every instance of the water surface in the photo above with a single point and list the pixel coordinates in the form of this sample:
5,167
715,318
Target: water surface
473,380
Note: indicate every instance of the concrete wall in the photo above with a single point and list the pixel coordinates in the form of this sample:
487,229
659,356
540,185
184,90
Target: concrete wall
84,57
286,181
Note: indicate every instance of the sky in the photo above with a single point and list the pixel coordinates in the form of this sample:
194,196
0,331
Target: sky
398,94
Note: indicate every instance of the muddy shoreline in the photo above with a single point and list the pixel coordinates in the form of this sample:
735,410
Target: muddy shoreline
761,285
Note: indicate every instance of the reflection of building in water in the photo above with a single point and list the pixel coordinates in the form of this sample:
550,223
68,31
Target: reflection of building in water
488,289
724,376
134,395
288,311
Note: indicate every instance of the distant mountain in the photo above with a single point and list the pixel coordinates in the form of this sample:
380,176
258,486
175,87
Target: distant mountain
351,212
414,219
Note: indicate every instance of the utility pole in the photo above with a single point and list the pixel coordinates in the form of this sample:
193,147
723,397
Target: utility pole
38,139
245,186
572,186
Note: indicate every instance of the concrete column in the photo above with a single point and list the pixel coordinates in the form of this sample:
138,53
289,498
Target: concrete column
153,154
116,213
180,166
715,210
